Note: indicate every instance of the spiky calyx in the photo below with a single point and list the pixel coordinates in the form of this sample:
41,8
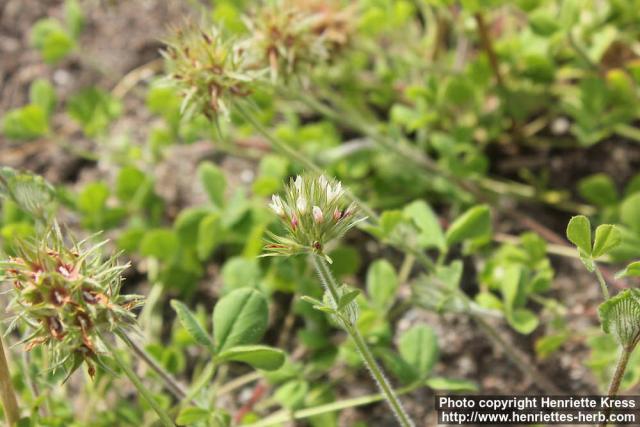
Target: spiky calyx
291,34
209,70
313,212
67,297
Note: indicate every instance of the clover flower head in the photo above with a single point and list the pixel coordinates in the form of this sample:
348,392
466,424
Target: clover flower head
289,34
309,230
67,296
209,71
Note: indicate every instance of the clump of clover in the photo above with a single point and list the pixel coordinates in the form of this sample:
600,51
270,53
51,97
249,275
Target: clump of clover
67,295
313,212
620,314
208,70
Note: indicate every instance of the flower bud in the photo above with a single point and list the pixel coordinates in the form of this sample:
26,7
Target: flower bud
301,204
276,205
317,215
335,192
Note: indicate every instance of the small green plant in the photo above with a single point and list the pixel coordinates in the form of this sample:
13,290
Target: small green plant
70,297
54,39
313,215
66,298
620,314
239,320
456,129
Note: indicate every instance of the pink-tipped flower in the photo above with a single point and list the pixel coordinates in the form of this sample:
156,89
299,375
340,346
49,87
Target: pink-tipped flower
317,215
309,230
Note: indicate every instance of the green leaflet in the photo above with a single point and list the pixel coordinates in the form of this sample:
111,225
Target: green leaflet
620,316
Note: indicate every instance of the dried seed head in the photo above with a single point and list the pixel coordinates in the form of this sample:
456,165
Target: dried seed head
291,34
309,230
208,70
70,295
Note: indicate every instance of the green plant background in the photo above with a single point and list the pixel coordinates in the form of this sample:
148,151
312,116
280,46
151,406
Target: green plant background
473,130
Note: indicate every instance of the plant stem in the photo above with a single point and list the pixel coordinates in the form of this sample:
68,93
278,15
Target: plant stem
526,366
603,283
7,394
619,373
172,385
331,285
239,382
487,46
284,416
164,417
296,156
407,153
274,141
623,360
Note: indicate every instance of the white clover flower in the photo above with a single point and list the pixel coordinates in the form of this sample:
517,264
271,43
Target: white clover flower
309,230
301,204
317,215
323,181
276,205
335,192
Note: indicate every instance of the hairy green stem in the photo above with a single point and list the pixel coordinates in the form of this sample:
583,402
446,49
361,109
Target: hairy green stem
285,415
331,286
137,382
298,157
7,394
623,360
172,385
